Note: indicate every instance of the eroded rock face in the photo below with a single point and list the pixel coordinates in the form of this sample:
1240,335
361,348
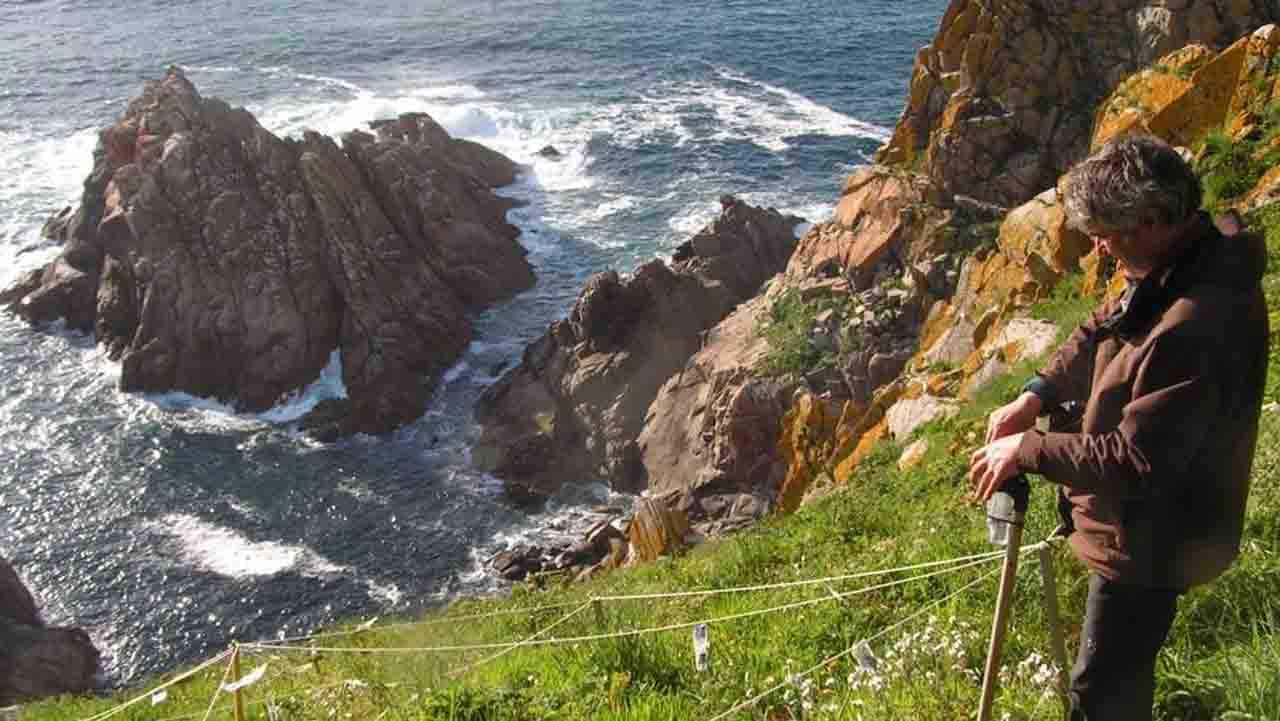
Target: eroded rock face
1002,101
210,256
574,407
38,661
712,431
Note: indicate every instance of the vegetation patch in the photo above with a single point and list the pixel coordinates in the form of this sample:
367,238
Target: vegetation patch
795,347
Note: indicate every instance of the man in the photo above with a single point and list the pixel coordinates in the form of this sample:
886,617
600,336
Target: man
1171,377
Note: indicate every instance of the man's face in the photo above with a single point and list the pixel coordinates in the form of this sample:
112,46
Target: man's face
1131,249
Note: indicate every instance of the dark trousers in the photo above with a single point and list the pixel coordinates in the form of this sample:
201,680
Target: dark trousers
1124,628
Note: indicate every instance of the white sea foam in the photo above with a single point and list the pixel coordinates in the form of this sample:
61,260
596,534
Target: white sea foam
694,216
609,207
775,114
455,372
214,413
42,174
226,552
328,386
189,69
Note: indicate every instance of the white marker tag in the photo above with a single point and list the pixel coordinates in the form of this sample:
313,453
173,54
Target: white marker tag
701,648
253,677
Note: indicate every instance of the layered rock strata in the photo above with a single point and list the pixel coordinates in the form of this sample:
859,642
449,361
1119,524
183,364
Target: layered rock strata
1002,101
212,257
575,406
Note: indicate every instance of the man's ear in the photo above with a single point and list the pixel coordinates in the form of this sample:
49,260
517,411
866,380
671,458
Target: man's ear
1229,223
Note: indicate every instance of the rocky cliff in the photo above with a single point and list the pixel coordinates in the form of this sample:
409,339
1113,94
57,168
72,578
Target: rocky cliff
574,407
210,256
1223,107
916,291
1003,100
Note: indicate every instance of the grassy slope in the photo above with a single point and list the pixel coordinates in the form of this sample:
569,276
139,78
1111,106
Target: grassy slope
1221,658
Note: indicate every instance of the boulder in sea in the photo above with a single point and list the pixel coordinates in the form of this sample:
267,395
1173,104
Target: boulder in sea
37,661
212,257
550,153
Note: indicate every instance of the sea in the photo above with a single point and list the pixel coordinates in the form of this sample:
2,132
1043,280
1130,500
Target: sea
168,525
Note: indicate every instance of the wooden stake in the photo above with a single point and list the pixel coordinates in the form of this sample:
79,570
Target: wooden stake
1001,621
235,676
1058,647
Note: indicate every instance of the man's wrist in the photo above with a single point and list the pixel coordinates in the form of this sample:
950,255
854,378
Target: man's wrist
1040,388
1035,401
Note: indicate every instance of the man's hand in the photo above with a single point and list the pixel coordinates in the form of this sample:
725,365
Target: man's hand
993,464
1015,417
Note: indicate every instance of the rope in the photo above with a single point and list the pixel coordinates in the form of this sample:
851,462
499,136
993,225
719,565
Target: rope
179,679
525,642
426,622
226,675
634,597
806,582
260,702
621,634
796,677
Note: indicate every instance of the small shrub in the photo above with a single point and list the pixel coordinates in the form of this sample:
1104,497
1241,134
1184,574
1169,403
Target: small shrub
789,330
1228,168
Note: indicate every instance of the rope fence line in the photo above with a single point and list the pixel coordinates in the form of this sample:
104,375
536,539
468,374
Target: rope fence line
624,633
635,597
805,582
792,679
525,642
949,566
168,684
425,622
217,691
260,702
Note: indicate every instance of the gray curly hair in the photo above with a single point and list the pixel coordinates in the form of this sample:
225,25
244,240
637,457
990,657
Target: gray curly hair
1131,181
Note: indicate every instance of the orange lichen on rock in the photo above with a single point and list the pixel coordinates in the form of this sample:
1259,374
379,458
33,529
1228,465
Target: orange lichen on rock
807,436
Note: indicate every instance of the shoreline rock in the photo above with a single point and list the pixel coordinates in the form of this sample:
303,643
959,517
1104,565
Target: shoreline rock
576,404
209,256
38,661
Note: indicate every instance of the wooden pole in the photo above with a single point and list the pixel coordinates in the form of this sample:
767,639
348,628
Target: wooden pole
235,676
1049,584
1001,621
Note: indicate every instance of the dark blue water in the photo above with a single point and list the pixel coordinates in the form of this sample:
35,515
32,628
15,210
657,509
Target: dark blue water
169,525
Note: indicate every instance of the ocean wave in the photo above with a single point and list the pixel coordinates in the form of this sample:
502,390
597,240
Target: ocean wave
800,115
43,174
226,552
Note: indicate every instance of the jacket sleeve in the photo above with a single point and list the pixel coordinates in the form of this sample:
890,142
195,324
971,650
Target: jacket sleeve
1176,395
1069,372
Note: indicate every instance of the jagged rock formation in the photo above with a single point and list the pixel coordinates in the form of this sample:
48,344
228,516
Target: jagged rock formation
37,661
212,257
980,329
575,406
710,440
1002,101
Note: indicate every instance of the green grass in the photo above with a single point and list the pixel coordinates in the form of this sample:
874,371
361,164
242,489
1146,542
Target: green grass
1229,168
794,349
1220,661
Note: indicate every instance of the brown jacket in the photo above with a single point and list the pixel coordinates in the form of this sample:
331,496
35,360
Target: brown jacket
1172,383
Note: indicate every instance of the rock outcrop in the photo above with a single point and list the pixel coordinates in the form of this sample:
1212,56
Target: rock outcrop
37,661
574,407
980,329
710,441
1002,101
210,256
